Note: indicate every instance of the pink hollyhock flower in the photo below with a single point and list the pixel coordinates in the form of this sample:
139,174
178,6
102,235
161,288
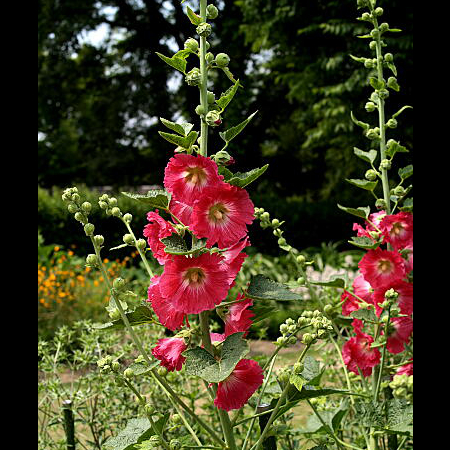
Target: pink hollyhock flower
157,229
403,328
167,314
398,229
169,352
239,317
181,210
382,267
217,337
361,289
194,285
357,353
405,295
351,303
406,369
233,258
407,254
234,391
374,219
222,215
187,176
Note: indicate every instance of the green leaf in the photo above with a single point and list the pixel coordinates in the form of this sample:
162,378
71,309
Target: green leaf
311,372
365,314
231,133
180,128
297,380
175,62
135,432
156,198
142,314
399,416
142,368
262,312
241,179
194,18
230,76
376,83
184,142
335,281
176,245
394,147
263,288
358,212
363,184
405,172
119,246
227,96
392,67
363,125
201,363
369,156
400,111
407,205
364,242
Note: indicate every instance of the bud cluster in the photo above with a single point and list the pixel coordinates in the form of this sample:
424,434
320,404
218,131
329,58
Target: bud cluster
109,204
79,210
316,320
402,386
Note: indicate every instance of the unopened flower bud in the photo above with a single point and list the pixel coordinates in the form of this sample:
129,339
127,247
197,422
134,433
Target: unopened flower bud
211,12
155,440
127,217
292,340
327,309
366,16
92,260
388,57
80,217
380,203
372,134
99,239
102,204
392,123
378,11
384,27
301,259
265,216
211,97
193,77
128,373
370,106
89,229
213,119
371,175
115,211
385,164
141,244
209,58
162,371
222,158
191,44
175,444
298,368
204,29
222,60
282,241
115,366
86,207
399,191
200,110
75,198
113,201
373,45
119,283
307,338
149,409
128,239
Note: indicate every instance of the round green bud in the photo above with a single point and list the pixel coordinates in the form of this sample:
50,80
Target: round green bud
115,366
115,211
368,64
370,106
277,232
388,57
383,93
175,444
191,44
200,110
141,244
366,16
301,281
204,29
385,164
86,207
211,98
391,123
380,204
327,309
106,368
211,12
222,60
375,34
128,239
292,340
373,45
275,222
149,409
119,283
222,157
114,314
301,259
371,175
283,376
209,58
162,371
99,239
298,368
92,260
399,191
155,440
307,338
265,216
103,204
372,134
208,45
284,328
113,201
80,217
72,208
378,11
128,373
176,419
89,229
384,27
127,217
75,198
282,241
213,119
193,77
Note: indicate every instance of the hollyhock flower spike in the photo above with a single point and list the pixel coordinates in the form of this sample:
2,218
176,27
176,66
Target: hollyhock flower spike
187,176
194,285
169,352
235,391
357,353
157,229
381,268
222,214
398,229
163,307
404,299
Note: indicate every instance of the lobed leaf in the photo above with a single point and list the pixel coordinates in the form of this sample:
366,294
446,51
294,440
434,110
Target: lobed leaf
231,133
364,242
363,184
227,96
369,156
155,198
175,62
180,141
241,179
180,128
362,212
263,288
405,172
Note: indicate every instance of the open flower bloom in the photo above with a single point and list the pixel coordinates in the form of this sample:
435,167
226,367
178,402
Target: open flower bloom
404,299
181,210
357,353
193,285
398,229
406,369
169,352
186,176
233,258
407,254
382,268
374,219
167,314
400,335
157,229
239,317
362,290
235,391
222,214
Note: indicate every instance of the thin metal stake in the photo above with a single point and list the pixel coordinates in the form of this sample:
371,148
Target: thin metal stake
271,442
69,424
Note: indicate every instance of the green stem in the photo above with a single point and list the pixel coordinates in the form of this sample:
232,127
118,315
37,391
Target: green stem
144,259
203,85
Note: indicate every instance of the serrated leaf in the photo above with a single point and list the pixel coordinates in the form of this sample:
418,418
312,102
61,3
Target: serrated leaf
262,312
362,212
311,372
376,83
180,141
297,380
369,156
394,147
399,416
364,314
141,315
263,288
175,62
180,128
142,368
364,242
176,245
194,18
407,205
335,281
363,184
155,198
135,432
241,179
231,133
405,172
201,363
227,96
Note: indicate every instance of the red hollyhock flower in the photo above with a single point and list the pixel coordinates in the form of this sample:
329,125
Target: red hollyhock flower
181,210
217,337
233,258
381,268
374,219
239,317
169,352
403,328
398,229
405,295
357,353
194,285
350,304
406,369
361,289
234,391
407,254
222,215
186,176
157,229
167,314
